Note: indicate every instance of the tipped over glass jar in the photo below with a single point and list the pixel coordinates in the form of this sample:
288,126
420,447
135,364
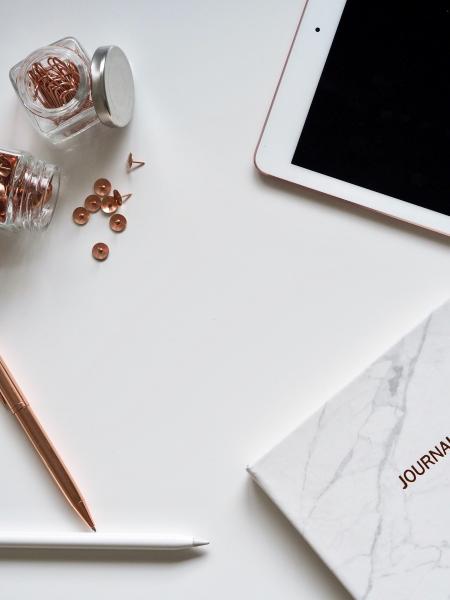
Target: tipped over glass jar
65,92
28,191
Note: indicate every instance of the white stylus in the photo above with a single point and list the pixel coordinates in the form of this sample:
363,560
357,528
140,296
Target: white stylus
97,541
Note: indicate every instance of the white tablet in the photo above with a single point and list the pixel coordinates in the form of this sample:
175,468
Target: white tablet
362,109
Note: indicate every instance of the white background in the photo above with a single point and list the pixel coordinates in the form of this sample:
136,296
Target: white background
229,310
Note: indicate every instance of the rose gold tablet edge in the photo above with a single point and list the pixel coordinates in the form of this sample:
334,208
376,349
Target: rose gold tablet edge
374,210
364,207
276,91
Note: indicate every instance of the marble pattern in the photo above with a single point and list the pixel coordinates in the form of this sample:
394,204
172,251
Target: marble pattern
337,476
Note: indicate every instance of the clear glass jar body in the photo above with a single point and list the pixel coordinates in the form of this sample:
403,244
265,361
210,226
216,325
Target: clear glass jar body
29,191
62,117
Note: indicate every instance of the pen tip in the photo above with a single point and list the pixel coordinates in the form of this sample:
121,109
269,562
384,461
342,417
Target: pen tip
200,543
85,515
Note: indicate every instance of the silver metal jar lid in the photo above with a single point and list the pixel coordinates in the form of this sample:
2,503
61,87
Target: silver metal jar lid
112,86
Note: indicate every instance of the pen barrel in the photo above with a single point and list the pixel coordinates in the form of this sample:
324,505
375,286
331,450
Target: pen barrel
12,396
43,446
10,393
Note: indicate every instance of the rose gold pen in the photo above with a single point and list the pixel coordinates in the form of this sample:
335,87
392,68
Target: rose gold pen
13,398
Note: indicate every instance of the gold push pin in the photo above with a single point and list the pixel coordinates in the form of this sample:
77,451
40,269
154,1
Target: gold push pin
120,199
118,223
100,251
117,197
80,215
102,187
131,162
109,205
93,203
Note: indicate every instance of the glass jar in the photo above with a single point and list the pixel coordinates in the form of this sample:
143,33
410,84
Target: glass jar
28,191
65,93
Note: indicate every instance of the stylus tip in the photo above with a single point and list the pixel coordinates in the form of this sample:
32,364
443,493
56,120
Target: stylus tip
200,543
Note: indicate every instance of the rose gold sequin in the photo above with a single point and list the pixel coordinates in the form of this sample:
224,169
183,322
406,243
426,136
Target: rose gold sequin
80,215
118,223
93,203
102,187
100,251
109,205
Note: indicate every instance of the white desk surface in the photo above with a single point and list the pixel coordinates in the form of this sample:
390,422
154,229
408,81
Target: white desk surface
230,309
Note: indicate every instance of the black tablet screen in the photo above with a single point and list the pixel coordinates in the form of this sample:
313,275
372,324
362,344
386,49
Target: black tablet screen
380,117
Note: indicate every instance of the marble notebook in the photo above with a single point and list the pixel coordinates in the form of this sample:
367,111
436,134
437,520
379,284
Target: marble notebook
366,480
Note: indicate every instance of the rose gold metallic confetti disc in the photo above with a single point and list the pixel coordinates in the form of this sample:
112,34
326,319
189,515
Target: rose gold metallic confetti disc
93,203
80,215
100,251
109,205
102,187
118,223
